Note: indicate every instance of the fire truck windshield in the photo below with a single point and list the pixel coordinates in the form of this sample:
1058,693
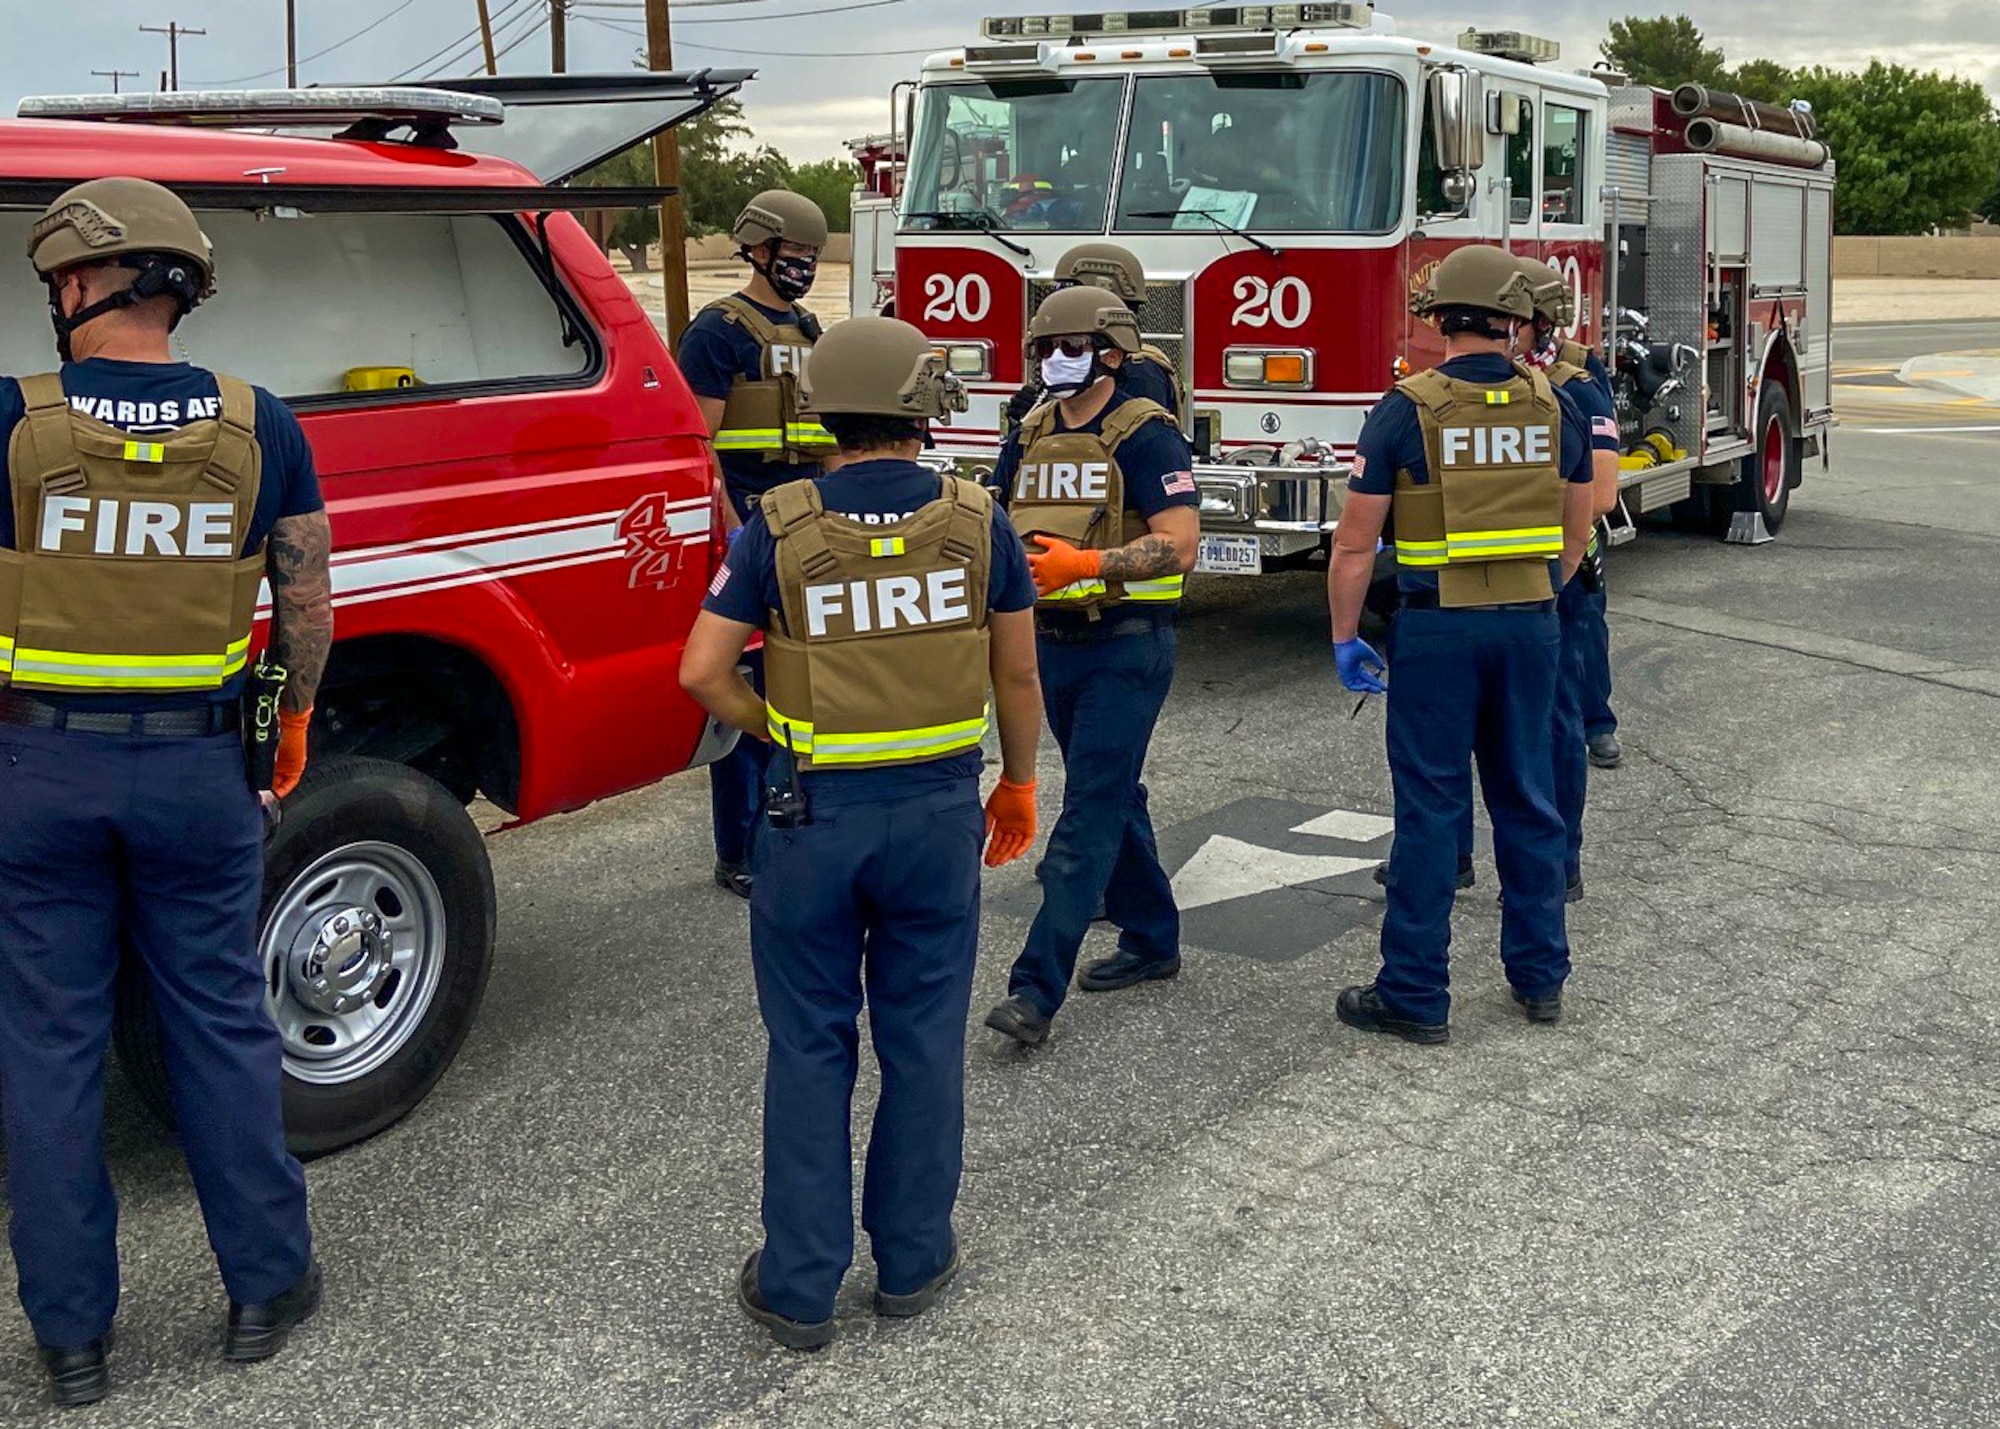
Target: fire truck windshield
1268,152
1014,154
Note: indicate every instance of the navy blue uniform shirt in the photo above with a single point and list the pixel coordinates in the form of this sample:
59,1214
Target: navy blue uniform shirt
875,493
1593,401
1158,469
157,397
1393,441
1150,379
714,352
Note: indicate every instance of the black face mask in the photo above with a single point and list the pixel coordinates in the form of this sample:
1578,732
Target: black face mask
791,278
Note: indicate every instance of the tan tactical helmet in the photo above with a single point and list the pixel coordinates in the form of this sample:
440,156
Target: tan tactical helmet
1555,299
879,367
1477,276
1104,265
780,214
119,218
1083,312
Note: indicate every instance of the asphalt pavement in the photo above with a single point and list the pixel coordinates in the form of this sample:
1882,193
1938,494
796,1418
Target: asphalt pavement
1752,1179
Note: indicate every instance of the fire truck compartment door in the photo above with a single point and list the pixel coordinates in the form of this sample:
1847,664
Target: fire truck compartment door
1729,219
557,126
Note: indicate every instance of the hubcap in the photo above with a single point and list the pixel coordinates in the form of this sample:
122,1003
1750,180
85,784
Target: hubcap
1774,461
352,955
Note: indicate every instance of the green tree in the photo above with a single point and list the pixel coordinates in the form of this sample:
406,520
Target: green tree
1916,150
830,184
633,228
1666,51
722,168
1760,79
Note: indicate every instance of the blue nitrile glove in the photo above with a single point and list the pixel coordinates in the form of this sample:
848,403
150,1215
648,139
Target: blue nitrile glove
1361,669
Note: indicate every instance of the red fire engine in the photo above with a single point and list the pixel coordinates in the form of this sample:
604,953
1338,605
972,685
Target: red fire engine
521,494
1289,174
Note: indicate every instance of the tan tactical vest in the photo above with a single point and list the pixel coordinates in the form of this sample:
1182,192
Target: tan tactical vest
878,654
128,572
763,416
1070,486
1490,518
1149,353
1575,354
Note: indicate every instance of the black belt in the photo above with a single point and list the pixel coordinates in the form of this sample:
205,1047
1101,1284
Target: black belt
183,723
1428,600
1073,627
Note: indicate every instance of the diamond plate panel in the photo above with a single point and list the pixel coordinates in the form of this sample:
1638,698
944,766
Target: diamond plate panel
1163,323
1677,279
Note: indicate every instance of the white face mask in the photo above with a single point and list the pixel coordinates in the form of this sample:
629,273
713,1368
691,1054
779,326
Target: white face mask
1065,375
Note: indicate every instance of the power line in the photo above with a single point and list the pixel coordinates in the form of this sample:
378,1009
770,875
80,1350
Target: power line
174,31
451,45
525,35
317,54
813,54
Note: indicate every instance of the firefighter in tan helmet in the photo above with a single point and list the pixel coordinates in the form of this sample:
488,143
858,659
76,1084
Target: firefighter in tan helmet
1488,475
891,601
1100,484
743,356
1150,372
148,499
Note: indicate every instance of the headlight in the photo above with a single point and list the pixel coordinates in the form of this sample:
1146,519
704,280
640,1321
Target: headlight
972,361
1286,368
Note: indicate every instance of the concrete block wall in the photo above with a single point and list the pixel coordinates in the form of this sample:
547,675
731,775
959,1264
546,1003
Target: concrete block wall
1960,257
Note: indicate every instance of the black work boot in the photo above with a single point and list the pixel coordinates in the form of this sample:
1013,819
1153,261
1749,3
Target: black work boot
81,1375
258,1330
1127,969
902,1307
1605,751
733,876
1362,1007
1021,1020
792,1334
1546,1007
1466,877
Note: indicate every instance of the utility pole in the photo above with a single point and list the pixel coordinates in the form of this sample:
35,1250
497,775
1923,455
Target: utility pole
558,36
174,32
291,44
667,172
486,38
114,75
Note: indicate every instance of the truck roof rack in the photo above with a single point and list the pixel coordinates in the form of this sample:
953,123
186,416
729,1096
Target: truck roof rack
377,112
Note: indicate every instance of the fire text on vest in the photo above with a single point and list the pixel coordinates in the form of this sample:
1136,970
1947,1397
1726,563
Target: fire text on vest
1062,481
1499,446
887,603
787,359
106,527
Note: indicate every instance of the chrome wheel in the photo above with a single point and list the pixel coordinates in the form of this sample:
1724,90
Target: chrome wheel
352,953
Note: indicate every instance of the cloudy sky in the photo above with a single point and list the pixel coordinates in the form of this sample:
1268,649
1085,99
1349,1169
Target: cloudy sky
826,77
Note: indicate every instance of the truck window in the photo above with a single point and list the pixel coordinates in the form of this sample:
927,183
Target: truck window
1563,130
1017,154
300,303
1279,152
1521,162
1431,202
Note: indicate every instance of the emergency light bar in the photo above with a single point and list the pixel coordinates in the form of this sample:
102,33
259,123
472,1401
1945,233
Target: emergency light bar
1336,14
1511,45
422,109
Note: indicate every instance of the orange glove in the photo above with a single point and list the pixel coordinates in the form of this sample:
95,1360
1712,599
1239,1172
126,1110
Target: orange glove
1010,822
291,762
1062,564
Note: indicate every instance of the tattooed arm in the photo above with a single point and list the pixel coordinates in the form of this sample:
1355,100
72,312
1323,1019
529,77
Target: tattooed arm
1168,548
295,560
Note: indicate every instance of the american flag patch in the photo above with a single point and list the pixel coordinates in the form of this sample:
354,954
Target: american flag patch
1604,427
721,579
1181,483
1359,469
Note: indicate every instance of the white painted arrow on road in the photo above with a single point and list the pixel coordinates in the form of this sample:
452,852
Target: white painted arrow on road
1226,868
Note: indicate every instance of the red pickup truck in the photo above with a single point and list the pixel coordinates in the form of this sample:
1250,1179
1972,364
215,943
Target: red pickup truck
522,495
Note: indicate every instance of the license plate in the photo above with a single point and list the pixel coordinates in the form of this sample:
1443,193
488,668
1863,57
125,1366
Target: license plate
1230,556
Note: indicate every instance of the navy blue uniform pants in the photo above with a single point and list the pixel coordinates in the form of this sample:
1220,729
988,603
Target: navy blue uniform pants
158,840
1472,684
1596,649
1572,759
736,784
1102,696
877,899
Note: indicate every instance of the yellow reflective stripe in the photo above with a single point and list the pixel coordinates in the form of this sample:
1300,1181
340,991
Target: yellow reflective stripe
853,748
1499,399
114,670
1077,590
1480,545
788,733
811,433
885,546
1165,588
1590,546
145,451
1421,553
748,438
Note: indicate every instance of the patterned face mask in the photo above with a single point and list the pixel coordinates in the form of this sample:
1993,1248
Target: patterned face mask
792,278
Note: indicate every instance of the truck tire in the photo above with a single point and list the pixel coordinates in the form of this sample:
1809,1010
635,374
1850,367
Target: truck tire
376,938
1772,469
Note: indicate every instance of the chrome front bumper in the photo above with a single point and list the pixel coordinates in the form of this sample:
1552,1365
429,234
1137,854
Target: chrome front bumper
1271,500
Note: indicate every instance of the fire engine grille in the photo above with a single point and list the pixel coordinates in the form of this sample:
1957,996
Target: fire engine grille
1163,323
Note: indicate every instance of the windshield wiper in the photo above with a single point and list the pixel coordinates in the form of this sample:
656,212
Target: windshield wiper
1213,217
978,223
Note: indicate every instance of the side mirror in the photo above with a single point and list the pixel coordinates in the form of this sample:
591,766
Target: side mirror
1455,129
1503,114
